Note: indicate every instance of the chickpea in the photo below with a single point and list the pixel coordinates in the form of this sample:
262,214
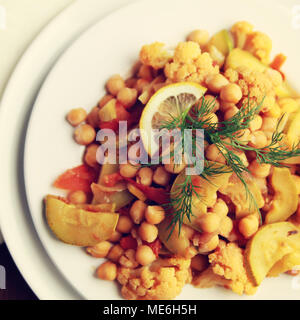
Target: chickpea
242,157
256,123
85,134
220,208
93,118
199,263
115,237
213,154
100,250
107,271
154,214
213,101
128,170
212,118
226,227
148,232
231,93
145,73
124,224
90,157
210,245
137,211
127,97
230,113
77,197
243,135
115,253
115,84
258,140
145,176
224,106
248,226
209,222
260,170
269,124
104,100
76,116
144,255
175,168
199,36
216,83
161,176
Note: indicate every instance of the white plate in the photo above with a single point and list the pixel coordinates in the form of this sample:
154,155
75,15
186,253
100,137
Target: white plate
15,220
77,80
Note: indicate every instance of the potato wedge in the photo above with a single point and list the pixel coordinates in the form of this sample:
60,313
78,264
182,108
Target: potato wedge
76,226
268,246
285,201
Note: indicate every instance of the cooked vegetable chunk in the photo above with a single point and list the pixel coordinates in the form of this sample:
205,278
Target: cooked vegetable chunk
285,201
236,191
222,41
287,263
76,226
268,246
241,58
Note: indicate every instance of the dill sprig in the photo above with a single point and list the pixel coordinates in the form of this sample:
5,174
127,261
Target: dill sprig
227,136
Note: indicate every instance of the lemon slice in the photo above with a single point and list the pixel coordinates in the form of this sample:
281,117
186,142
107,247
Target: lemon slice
164,105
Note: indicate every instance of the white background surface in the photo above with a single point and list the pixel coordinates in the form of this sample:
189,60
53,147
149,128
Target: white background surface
20,23
24,20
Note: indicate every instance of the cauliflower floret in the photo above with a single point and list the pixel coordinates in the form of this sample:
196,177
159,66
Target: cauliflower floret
155,55
228,262
256,85
162,280
187,52
260,45
190,65
240,32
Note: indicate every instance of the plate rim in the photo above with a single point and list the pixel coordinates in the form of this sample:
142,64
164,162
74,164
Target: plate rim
71,11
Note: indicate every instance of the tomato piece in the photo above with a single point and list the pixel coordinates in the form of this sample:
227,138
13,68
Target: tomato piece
111,179
155,246
157,195
122,114
112,125
278,61
78,178
128,243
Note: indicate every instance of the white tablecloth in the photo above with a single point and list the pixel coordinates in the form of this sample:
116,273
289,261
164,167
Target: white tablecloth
20,23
